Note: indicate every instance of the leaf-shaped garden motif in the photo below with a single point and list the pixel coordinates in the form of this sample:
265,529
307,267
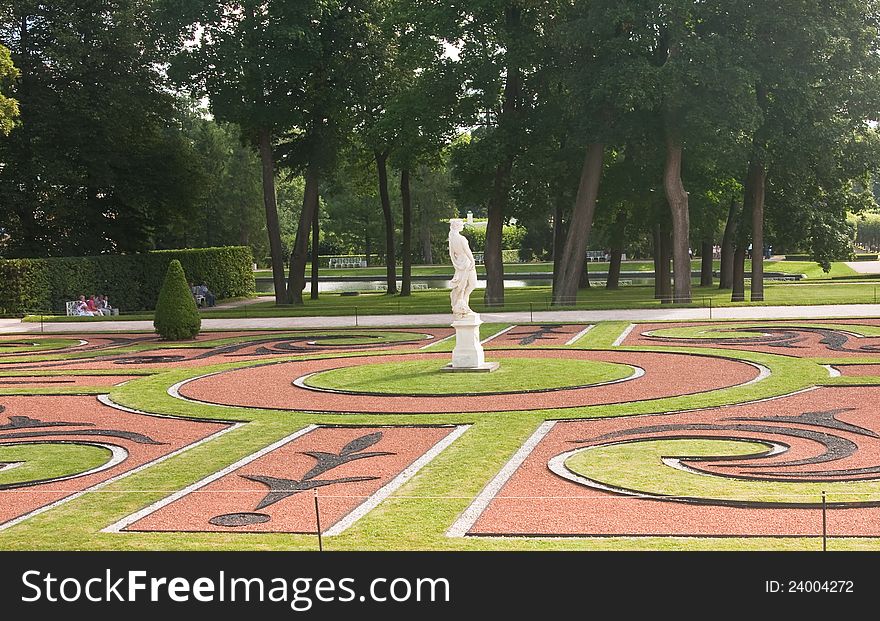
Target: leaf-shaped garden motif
359,444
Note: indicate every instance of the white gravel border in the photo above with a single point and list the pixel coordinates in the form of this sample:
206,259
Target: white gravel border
125,522
620,339
580,335
389,488
119,477
470,515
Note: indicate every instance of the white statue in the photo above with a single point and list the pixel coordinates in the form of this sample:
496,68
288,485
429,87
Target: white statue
465,279
468,353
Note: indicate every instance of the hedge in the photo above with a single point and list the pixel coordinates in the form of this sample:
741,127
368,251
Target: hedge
131,282
511,237
806,257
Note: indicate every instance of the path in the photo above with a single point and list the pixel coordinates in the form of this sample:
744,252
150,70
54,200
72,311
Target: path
9,326
864,267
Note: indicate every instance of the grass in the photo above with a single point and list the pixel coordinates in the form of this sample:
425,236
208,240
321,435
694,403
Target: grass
819,289
27,345
41,461
417,515
327,337
426,378
533,299
810,269
638,466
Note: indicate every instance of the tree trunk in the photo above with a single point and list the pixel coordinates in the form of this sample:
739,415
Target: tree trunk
656,234
678,205
316,236
727,246
743,234
754,192
613,281
558,241
390,259
296,281
666,296
584,282
406,249
739,262
425,238
272,226
492,257
706,265
574,252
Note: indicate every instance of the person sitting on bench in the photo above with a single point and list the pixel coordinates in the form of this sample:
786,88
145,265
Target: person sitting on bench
203,290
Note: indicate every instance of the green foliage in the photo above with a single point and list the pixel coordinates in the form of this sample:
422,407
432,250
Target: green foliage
8,106
511,237
98,163
131,282
868,231
177,317
228,210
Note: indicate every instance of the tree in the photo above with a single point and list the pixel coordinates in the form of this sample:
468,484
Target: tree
433,205
98,164
498,46
817,72
704,88
408,115
229,209
252,58
336,69
8,106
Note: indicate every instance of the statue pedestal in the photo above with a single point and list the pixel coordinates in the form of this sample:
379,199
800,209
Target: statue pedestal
468,353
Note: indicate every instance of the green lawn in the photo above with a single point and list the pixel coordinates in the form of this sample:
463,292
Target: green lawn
810,269
425,377
818,288
639,466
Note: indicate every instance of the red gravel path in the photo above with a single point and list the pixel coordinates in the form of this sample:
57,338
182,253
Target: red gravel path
808,346
91,414
535,501
185,357
60,381
296,513
859,370
537,336
271,387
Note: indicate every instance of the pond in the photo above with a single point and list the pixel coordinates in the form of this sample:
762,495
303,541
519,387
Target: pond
264,285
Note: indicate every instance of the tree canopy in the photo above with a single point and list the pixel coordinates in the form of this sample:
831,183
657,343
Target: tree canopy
663,127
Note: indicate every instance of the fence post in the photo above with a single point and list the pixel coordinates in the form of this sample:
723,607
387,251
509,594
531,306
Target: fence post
531,313
824,523
355,316
318,522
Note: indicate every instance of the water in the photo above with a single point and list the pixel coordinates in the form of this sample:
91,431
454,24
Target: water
264,285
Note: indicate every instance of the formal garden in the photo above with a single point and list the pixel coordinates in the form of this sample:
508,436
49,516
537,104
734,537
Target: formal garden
406,275
699,435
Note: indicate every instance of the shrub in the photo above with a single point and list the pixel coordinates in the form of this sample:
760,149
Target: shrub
177,316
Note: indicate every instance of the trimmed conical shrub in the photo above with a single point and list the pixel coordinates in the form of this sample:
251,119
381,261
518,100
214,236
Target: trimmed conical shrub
177,316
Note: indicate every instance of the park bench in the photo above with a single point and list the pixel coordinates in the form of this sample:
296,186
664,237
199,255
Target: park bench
478,258
343,262
596,256
69,306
